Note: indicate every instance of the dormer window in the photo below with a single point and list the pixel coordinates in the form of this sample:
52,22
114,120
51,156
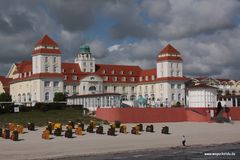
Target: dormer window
123,79
115,78
65,77
29,73
25,74
121,72
140,79
113,71
153,77
146,78
103,71
73,71
74,77
105,78
63,70
132,79
130,72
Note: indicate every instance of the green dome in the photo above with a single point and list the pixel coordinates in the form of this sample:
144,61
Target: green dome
85,49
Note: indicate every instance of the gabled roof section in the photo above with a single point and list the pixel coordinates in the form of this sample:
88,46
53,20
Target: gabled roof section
46,41
6,83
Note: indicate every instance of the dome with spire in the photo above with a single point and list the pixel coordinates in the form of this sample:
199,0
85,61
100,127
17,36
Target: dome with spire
85,49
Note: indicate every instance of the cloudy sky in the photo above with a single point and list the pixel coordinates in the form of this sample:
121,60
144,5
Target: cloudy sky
207,33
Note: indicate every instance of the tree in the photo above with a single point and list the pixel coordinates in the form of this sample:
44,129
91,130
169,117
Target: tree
5,97
59,97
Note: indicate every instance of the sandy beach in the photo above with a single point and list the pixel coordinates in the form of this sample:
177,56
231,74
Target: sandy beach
31,146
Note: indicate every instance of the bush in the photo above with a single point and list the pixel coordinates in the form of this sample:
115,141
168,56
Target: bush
7,108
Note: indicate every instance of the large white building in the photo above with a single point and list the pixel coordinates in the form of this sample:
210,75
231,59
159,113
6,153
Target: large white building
39,79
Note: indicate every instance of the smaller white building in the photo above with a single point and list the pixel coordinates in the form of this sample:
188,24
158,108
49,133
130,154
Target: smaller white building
201,96
93,101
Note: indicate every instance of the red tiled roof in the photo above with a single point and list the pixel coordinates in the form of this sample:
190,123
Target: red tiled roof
24,66
120,71
46,41
39,75
72,69
170,50
46,51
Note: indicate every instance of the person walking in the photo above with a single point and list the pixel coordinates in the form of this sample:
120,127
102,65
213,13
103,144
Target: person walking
183,140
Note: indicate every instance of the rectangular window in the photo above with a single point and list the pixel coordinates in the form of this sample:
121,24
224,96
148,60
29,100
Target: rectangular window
46,69
54,59
105,88
46,59
47,84
54,69
55,84
123,79
179,86
172,86
74,89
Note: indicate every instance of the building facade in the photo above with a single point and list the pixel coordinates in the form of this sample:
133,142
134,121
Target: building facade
39,79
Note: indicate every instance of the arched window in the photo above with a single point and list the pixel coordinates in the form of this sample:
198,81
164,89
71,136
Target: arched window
19,97
47,96
29,97
92,88
179,97
124,97
173,96
132,97
24,97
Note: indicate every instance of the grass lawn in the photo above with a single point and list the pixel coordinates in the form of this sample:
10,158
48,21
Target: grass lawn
41,118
